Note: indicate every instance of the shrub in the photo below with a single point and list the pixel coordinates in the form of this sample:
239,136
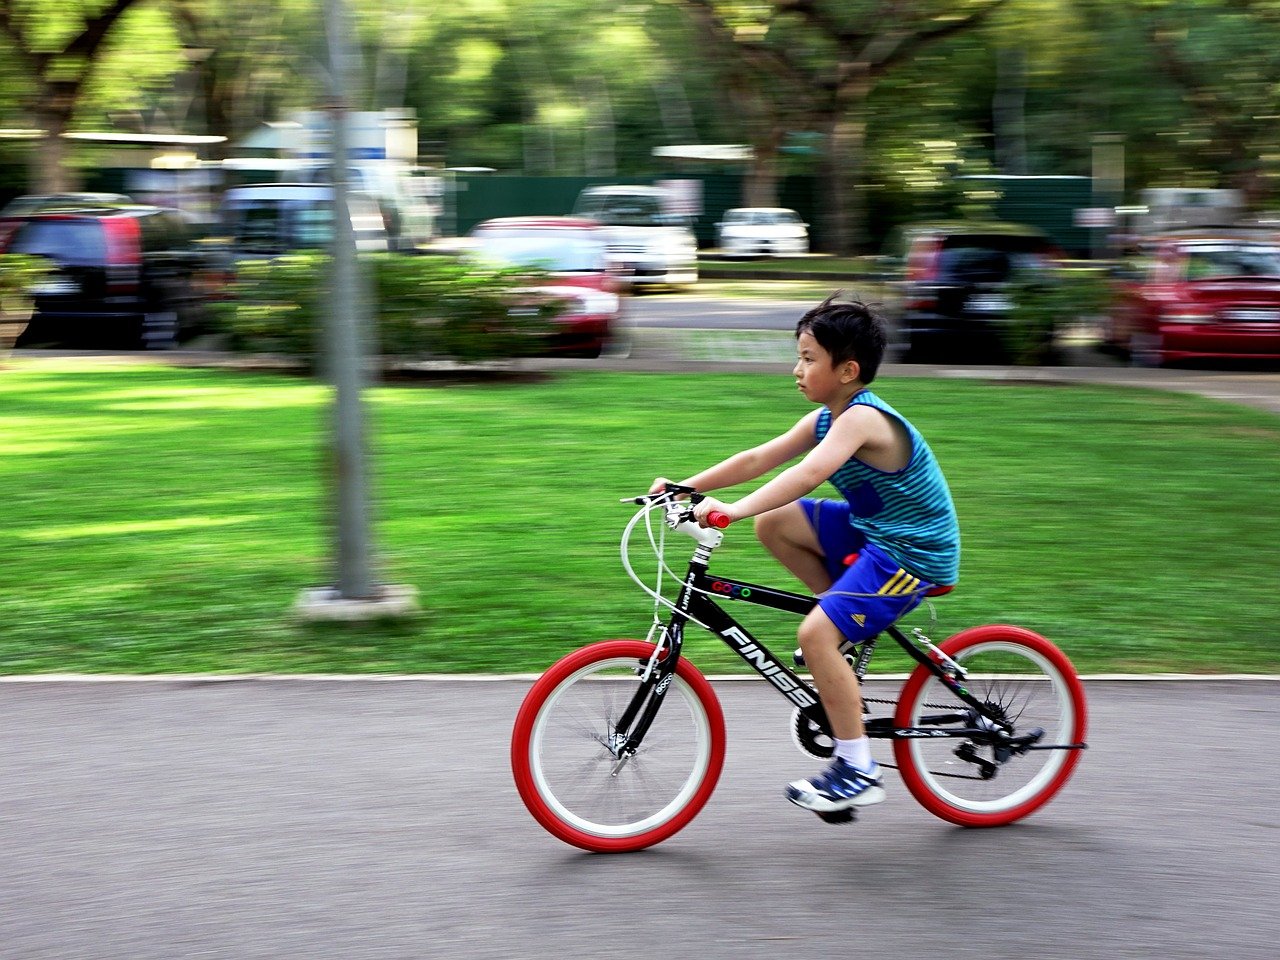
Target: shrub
419,307
1046,300
18,275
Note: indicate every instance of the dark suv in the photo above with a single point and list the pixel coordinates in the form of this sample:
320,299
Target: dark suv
956,289
123,276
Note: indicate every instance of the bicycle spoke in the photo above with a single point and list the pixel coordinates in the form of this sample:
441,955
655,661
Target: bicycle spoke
581,773
987,776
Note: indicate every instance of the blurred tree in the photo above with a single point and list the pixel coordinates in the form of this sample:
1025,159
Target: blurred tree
823,59
251,61
60,46
1220,58
550,87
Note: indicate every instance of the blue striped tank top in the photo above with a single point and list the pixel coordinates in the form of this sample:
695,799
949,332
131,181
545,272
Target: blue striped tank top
907,513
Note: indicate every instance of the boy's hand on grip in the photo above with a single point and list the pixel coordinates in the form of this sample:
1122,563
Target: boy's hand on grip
724,514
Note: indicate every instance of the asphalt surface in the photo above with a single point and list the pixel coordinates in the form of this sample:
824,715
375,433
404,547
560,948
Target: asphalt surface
367,819
378,819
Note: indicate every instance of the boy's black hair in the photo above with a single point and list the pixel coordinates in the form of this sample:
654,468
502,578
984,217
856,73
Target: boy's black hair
848,330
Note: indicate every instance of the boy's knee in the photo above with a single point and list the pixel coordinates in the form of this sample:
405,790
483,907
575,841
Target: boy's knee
764,527
816,632
770,526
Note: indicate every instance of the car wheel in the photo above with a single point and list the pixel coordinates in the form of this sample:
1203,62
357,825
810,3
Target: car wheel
1146,350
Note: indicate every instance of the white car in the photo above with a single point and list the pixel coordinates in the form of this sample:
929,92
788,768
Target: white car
763,231
268,219
647,245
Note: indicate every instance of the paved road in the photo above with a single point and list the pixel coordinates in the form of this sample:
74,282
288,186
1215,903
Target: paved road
698,333
688,332
352,820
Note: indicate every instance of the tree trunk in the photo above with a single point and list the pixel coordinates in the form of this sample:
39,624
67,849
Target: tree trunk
217,107
1008,113
760,186
846,200
49,171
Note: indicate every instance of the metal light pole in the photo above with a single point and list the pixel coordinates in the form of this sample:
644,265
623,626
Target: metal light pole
355,595
342,335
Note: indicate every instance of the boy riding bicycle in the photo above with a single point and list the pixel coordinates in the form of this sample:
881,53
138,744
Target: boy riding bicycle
896,516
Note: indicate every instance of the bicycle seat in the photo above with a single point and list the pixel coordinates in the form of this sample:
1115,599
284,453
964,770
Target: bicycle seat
935,591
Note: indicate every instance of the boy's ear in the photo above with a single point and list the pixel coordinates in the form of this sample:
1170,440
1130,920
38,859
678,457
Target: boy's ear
850,371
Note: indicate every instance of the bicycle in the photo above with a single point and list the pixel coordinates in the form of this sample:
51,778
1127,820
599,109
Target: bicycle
608,760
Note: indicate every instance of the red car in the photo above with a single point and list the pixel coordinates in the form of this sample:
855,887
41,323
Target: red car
1200,294
573,251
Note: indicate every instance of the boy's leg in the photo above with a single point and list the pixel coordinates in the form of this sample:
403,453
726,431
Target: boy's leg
820,640
848,782
788,534
866,598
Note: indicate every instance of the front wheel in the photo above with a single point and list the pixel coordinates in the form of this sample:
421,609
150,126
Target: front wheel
567,773
1022,678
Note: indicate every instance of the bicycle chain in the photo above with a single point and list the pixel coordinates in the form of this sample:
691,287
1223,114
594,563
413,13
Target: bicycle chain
894,703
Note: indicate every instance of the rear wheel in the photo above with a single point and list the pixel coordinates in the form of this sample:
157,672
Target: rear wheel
1024,679
568,775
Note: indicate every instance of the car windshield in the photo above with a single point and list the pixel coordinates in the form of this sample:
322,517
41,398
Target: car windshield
629,210
985,264
1231,260
269,226
562,251
766,217
73,242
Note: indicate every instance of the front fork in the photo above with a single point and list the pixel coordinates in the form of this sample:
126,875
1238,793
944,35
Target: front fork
656,676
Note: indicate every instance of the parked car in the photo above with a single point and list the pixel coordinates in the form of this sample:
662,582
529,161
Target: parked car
1194,294
16,209
122,276
647,245
763,231
268,219
956,289
575,253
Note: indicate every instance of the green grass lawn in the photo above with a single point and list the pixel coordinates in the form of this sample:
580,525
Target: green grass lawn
162,520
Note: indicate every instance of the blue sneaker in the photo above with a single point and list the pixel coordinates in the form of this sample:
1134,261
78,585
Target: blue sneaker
841,786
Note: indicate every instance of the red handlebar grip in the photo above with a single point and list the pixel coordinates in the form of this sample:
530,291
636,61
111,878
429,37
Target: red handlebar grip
718,519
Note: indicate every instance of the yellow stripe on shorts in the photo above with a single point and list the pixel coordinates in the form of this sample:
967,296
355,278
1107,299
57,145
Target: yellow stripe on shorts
908,585
897,585
891,585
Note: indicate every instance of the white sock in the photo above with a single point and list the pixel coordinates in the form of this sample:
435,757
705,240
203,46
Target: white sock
856,752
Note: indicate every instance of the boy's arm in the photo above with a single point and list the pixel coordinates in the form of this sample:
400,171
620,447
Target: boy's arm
846,436
752,463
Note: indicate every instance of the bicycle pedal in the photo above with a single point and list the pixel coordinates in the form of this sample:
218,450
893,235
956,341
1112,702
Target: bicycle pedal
839,816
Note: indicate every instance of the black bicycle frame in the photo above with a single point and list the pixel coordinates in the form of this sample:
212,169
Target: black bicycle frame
695,603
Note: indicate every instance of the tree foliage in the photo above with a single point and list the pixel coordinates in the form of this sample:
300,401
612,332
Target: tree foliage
885,99
58,45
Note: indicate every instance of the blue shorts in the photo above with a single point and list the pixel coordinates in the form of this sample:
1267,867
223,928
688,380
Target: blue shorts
872,593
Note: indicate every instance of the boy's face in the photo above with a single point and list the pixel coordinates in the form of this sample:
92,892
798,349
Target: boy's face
816,377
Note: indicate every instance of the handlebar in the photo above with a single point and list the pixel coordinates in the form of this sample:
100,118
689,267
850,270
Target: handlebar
715,518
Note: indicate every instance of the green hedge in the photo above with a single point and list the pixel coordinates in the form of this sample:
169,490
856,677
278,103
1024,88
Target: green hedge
1044,301
18,275
423,307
